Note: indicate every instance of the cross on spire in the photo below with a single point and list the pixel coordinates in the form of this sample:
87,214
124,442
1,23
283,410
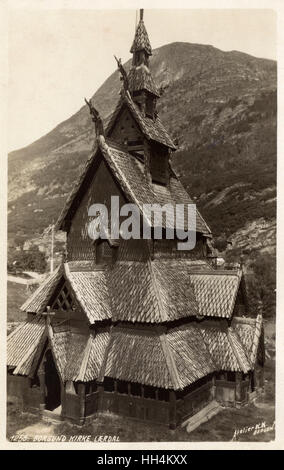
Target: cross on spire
141,14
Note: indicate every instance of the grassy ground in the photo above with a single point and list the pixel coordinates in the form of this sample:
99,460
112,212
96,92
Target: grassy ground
16,296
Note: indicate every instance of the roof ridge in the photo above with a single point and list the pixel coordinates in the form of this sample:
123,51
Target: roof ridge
246,352
122,181
235,351
36,357
41,287
50,336
84,363
256,336
215,272
77,185
234,296
163,313
73,289
170,362
101,373
202,332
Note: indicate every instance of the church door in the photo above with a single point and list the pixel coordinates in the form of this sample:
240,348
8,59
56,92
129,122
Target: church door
52,383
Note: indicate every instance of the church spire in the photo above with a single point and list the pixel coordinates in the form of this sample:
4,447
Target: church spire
141,84
141,41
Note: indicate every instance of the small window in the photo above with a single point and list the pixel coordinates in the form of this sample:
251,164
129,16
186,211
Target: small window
159,169
108,384
104,252
149,107
135,389
231,376
122,387
221,375
63,300
149,392
163,394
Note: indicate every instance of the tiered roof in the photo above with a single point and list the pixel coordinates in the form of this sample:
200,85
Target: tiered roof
155,291
130,176
152,356
163,322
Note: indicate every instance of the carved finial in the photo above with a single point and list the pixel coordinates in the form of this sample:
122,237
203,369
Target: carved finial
123,73
260,307
96,118
141,14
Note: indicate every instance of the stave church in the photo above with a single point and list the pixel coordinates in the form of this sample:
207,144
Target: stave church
135,327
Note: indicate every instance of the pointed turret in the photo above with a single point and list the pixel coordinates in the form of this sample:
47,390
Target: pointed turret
141,41
141,84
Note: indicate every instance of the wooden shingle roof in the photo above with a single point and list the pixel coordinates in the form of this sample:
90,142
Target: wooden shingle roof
191,356
22,344
216,292
152,129
140,78
249,332
38,301
91,291
226,351
137,356
155,291
141,39
131,178
151,356
94,355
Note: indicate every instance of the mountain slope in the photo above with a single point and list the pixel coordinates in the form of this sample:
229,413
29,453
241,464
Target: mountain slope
222,108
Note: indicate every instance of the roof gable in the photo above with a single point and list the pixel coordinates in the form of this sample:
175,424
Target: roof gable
152,129
130,177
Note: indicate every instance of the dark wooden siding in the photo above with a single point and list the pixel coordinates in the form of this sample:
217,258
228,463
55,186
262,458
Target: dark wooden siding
159,164
79,245
126,129
168,249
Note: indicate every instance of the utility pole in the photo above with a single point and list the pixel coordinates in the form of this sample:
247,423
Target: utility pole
52,248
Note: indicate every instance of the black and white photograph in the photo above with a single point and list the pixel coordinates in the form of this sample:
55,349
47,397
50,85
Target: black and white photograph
141,224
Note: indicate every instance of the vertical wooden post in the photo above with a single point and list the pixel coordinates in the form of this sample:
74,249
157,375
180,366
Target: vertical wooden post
147,158
62,399
213,387
116,399
81,393
238,393
172,410
100,397
143,401
52,248
41,376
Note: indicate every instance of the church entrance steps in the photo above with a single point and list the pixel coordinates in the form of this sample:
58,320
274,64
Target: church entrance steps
53,416
202,416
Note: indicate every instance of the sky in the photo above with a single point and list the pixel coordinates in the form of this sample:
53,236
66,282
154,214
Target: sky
59,56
